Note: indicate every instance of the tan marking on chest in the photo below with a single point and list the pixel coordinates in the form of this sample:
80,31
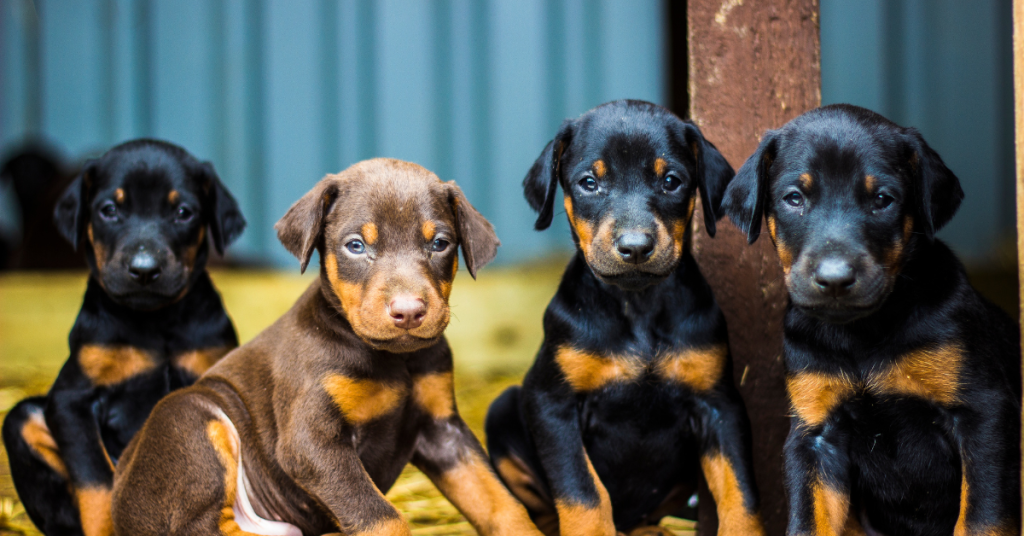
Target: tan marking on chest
37,436
362,401
814,395
600,169
735,518
369,232
429,229
659,166
932,374
110,365
435,393
586,371
94,510
697,368
200,360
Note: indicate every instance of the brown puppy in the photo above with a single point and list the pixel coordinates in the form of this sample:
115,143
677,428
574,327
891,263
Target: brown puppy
304,428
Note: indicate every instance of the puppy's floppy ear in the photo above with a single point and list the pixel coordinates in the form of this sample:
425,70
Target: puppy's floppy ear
71,214
937,189
301,229
226,220
541,181
744,197
713,173
476,235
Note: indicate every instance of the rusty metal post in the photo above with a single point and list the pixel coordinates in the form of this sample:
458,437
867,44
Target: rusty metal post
754,65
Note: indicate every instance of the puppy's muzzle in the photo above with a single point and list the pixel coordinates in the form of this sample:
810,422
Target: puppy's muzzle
834,277
143,266
407,312
634,247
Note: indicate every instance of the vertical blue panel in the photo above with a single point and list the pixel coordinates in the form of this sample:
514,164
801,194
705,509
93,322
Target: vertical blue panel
465,111
406,88
20,103
293,99
348,84
634,46
73,52
851,52
129,79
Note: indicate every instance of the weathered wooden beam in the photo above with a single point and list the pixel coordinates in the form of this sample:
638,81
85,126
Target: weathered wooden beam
1018,97
753,67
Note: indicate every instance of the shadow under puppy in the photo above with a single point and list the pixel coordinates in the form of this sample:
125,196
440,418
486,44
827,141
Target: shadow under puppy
301,430
904,381
631,396
151,322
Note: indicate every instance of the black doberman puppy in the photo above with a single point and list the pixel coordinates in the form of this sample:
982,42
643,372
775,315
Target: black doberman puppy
151,322
631,394
904,382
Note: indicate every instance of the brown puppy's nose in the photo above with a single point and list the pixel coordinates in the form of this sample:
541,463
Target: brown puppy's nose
407,311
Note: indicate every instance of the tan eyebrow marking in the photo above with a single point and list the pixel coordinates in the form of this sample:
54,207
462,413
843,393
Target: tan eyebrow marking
659,166
369,232
600,169
119,196
806,181
173,197
870,182
429,230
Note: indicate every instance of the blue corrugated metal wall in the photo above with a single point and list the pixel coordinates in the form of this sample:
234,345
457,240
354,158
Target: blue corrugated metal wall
279,92
945,67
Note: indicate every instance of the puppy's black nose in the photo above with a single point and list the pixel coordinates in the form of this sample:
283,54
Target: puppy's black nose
635,247
834,277
144,268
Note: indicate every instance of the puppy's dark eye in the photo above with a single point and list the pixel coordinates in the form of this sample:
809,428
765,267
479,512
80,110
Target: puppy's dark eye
439,245
882,201
794,199
108,211
184,214
356,246
588,183
671,183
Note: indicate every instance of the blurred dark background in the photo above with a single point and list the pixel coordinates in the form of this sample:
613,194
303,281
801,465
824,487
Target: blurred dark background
276,93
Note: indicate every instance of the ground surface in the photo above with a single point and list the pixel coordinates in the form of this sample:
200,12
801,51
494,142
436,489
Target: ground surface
495,330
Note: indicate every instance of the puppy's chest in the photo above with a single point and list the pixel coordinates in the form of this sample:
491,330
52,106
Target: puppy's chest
108,364
931,375
697,368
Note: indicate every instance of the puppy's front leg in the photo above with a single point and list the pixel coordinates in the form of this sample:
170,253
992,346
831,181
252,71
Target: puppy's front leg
451,456
315,450
990,459
583,504
817,481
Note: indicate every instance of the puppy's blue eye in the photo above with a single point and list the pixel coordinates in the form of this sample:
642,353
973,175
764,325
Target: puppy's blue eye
671,183
356,246
794,199
882,201
439,245
588,183
108,210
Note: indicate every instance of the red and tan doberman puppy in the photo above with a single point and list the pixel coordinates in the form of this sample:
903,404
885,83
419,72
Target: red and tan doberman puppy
302,430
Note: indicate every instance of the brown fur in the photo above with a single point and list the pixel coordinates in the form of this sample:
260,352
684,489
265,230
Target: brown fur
119,196
734,517
831,510
327,405
600,169
582,520
110,365
698,368
659,166
94,505
586,371
173,197
813,395
37,436
806,182
199,361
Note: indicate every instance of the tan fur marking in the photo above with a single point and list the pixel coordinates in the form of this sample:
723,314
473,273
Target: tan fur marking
94,510
369,232
189,258
584,229
893,257
931,373
435,393
697,368
831,509
733,517
349,294
387,527
37,435
521,483
806,181
362,401
472,487
870,182
429,229
785,255
110,365
580,520
199,361
173,197
586,371
961,522
99,252
659,166
600,169
679,235
119,196
814,395
446,284
226,447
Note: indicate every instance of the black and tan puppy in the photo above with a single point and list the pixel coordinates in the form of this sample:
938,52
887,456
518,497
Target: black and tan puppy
302,430
151,322
904,382
631,395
